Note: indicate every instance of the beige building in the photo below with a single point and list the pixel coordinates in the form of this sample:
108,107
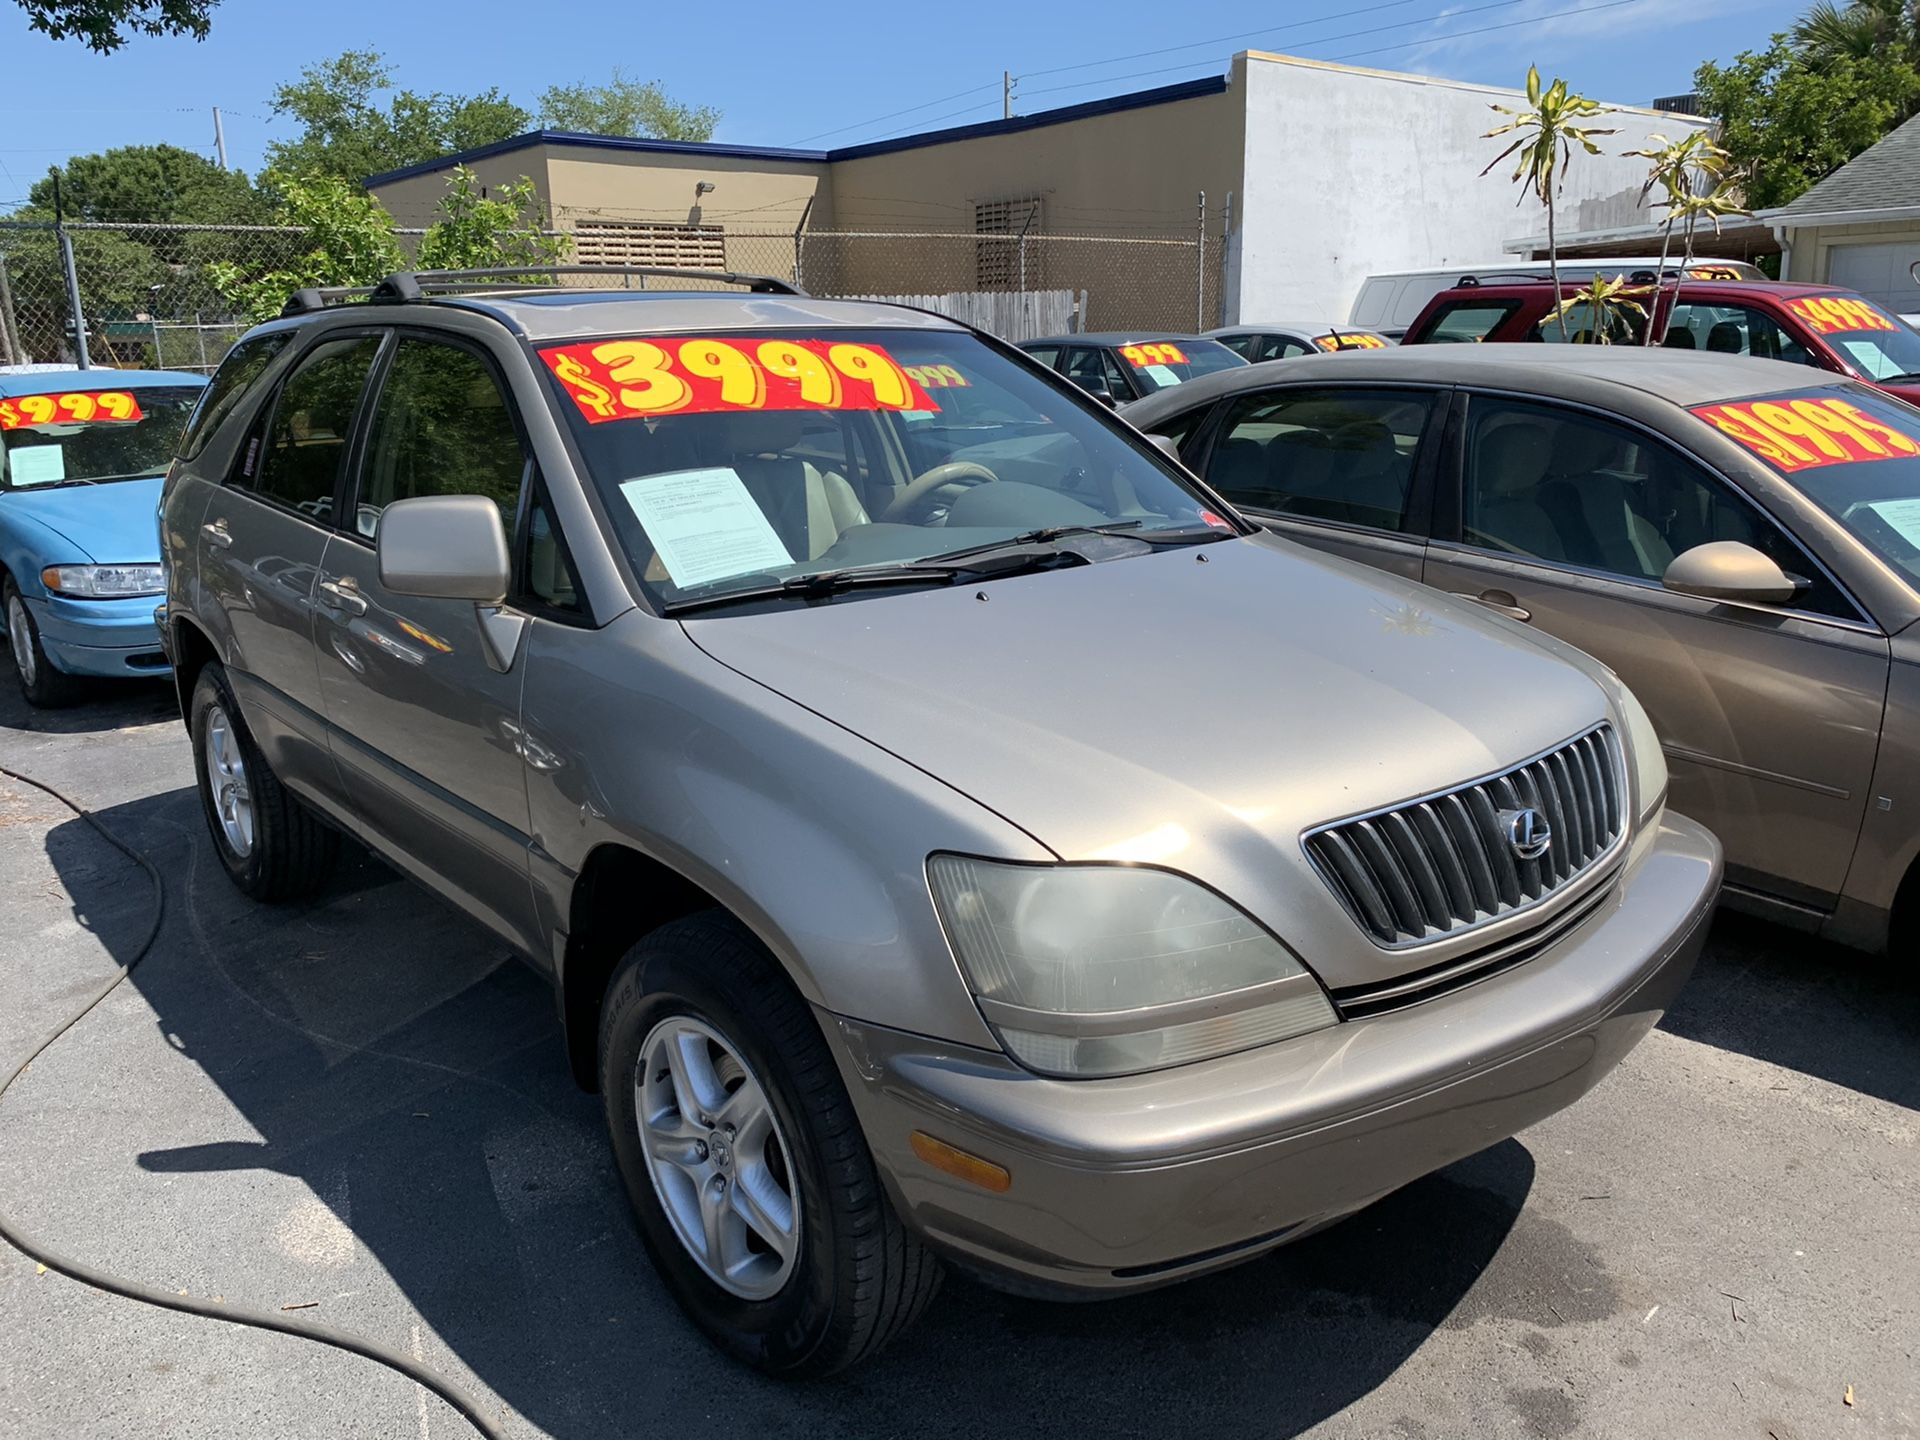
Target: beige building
1314,176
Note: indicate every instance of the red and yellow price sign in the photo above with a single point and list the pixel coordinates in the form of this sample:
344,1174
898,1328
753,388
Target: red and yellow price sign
938,377
1331,343
1713,272
1157,353
69,408
625,379
1839,314
1801,432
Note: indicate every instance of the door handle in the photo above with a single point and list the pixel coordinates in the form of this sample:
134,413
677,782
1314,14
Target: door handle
1501,602
346,594
214,532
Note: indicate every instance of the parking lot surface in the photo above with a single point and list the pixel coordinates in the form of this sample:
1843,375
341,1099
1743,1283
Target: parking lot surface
360,1105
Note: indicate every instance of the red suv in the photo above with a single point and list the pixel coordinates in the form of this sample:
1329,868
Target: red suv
1818,325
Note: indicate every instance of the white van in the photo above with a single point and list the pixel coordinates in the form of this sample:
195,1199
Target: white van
1389,303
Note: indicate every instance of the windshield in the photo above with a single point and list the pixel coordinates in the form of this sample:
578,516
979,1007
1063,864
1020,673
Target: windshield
78,437
1157,364
736,462
1873,342
1853,451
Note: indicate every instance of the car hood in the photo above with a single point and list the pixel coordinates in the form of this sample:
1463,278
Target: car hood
115,523
1908,392
1196,708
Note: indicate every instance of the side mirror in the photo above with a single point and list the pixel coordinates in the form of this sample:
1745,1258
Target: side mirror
1167,446
444,547
1099,391
1730,570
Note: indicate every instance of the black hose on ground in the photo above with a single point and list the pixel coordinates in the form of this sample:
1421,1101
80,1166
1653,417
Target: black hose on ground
112,1284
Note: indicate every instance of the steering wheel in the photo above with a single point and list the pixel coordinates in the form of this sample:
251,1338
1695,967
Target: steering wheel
921,487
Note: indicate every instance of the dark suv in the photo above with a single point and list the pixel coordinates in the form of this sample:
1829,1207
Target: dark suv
1818,325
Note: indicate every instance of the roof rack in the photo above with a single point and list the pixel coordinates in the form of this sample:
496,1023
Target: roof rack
408,286
1533,277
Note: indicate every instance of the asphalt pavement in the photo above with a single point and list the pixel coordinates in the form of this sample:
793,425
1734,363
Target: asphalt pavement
360,1106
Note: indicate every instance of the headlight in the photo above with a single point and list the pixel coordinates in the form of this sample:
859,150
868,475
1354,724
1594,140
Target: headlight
1643,746
103,582
1107,969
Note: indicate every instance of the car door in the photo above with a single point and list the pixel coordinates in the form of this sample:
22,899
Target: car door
424,728
260,543
1342,468
1770,716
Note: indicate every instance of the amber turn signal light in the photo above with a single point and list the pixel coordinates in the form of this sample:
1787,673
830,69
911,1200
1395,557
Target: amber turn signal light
958,1163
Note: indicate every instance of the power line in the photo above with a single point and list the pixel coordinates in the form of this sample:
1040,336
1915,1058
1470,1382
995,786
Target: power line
863,124
1218,40
1487,29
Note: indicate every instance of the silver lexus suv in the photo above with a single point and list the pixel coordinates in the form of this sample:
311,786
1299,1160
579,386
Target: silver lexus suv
953,835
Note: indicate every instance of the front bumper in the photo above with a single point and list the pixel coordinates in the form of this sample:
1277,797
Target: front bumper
1121,1185
113,638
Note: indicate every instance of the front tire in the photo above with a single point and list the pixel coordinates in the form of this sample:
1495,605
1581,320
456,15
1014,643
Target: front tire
43,686
273,847
775,1236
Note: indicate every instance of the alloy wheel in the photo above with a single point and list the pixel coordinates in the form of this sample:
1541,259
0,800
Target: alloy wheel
20,639
227,783
717,1158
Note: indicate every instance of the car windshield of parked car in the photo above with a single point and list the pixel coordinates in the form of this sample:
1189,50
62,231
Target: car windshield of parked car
1853,451
1157,364
87,437
1872,341
747,460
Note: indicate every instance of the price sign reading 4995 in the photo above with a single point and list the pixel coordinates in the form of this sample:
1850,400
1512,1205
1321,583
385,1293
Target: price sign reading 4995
74,407
626,379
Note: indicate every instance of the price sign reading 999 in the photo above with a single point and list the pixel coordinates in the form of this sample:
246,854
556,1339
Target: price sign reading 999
74,407
630,379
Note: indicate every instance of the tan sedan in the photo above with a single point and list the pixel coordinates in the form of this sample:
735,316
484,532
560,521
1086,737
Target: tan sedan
1740,541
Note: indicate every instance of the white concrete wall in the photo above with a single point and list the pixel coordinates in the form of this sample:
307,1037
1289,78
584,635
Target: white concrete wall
1352,172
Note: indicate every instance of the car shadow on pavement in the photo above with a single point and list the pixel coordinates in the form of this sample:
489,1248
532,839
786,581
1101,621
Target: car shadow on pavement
1793,1000
107,705
392,1058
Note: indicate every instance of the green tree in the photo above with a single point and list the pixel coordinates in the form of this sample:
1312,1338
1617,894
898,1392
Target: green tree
1788,120
354,124
624,106
151,185
106,25
1552,123
1859,30
349,241
476,231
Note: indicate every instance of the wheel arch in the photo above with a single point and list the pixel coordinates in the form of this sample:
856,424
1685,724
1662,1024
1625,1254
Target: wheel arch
192,650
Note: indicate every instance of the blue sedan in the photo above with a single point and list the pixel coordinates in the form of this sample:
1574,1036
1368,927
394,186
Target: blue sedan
82,454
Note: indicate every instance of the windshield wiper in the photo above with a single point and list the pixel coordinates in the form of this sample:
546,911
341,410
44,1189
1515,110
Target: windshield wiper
823,583
1182,535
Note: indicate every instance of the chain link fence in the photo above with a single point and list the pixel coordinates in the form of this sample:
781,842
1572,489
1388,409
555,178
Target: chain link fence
148,297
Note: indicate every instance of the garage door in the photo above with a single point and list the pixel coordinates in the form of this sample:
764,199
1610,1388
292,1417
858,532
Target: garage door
1878,272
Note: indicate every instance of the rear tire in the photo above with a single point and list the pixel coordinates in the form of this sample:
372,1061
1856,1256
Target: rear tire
43,686
273,847
856,1277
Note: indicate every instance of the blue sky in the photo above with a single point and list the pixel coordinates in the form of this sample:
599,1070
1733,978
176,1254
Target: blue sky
822,75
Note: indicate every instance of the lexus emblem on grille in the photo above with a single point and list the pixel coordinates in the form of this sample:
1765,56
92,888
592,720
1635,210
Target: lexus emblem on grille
1528,834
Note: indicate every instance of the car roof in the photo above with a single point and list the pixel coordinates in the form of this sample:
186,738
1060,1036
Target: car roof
1567,372
1298,327
1111,338
557,314
50,382
1695,289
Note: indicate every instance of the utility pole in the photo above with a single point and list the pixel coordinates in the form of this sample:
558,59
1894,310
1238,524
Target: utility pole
1006,94
11,350
73,279
1200,269
219,138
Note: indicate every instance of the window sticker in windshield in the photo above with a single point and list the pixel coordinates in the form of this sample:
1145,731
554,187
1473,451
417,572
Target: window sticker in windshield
1900,516
1330,343
1159,353
74,407
622,379
705,525
36,465
1839,314
938,377
1800,433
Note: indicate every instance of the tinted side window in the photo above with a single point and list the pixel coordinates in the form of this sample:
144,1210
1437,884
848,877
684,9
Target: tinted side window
306,441
1344,455
1733,330
440,427
550,576
1084,367
245,363
1573,489
1581,325
1241,344
1465,321
1047,355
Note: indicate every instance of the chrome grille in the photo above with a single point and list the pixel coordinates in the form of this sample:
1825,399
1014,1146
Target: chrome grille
1442,864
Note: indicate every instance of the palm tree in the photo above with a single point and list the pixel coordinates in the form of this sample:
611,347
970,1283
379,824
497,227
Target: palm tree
1858,29
1548,128
1607,307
